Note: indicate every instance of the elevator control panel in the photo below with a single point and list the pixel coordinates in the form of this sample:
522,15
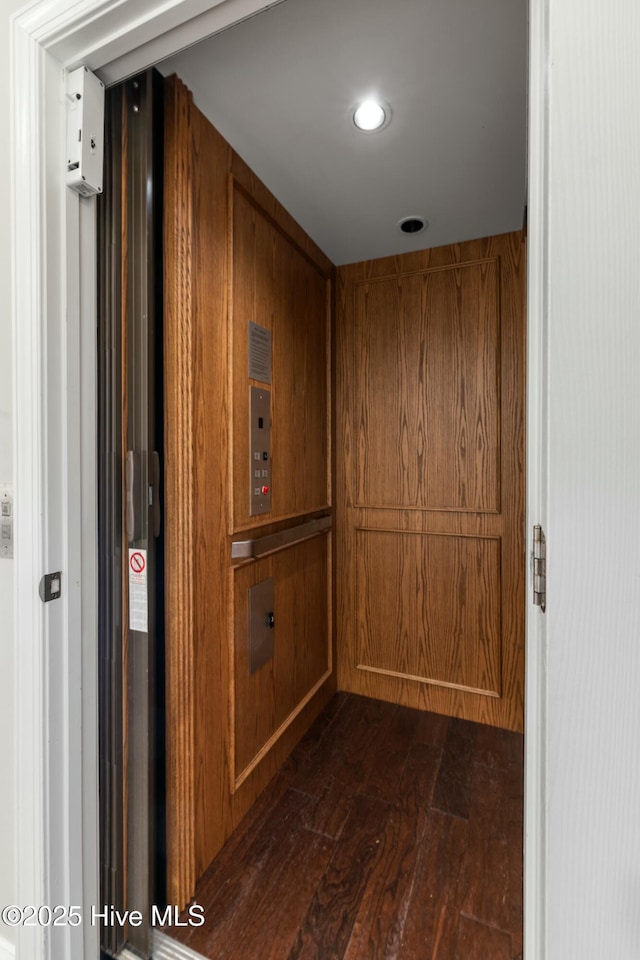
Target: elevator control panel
260,451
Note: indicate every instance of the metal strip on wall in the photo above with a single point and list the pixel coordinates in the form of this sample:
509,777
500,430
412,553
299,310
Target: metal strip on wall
110,541
260,547
130,422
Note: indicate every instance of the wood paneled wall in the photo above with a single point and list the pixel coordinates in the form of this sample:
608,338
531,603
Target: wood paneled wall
263,701
430,351
279,286
232,254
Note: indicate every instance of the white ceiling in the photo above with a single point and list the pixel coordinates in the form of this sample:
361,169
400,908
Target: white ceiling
281,88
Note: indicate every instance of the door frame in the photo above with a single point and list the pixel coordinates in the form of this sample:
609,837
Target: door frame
54,353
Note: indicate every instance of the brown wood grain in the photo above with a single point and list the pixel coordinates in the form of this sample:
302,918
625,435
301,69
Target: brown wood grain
427,353
206,688
477,941
430,351
179,481
452,791
441,621
408,864
268,698
328,924
284,897
277,285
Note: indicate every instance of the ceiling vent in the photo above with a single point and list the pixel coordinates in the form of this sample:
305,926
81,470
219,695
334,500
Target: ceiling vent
410,225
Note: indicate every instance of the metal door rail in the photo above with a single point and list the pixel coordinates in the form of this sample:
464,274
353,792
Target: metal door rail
252,549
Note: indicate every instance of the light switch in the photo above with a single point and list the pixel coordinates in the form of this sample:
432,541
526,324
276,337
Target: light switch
6,524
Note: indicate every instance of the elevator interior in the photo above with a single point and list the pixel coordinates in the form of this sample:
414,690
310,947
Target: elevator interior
343,474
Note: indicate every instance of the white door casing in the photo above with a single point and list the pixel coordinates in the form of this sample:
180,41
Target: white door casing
54,322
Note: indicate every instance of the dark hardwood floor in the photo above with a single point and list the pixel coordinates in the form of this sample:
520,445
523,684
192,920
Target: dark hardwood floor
389,833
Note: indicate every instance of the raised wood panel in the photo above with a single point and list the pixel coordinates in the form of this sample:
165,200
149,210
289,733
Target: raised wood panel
202,806
427,351
266,700
430,440
276,285
179,493
439,619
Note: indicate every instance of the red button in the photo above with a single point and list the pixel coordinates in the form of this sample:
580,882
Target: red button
265,491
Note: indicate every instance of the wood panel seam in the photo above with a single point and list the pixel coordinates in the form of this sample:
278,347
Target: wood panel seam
236,185
273,739
430,680
402,275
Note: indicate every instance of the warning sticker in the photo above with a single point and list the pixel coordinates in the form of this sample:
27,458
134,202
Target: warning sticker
138,594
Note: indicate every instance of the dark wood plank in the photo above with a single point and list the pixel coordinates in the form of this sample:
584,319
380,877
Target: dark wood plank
379,926
515,840
452,792
328,766
285,895
476,941
344,753
326,929
329,812
499,748
233,887
344,874
254,823
431,926
322,723
317,731
389,754
432,728
492,878
486,874
496,796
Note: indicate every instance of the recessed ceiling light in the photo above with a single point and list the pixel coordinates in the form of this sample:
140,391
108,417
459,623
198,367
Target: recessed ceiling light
371,115
411,225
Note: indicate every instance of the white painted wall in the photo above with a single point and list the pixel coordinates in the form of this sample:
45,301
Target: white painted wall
593,753
7,886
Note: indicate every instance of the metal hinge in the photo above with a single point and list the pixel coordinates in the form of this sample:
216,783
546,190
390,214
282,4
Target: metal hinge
539,568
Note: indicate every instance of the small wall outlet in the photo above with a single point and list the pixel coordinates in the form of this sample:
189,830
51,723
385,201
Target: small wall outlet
6,521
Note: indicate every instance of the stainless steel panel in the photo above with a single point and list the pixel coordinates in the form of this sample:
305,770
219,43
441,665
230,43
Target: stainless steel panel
261,623
131,742
259,451
246,549
144,428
